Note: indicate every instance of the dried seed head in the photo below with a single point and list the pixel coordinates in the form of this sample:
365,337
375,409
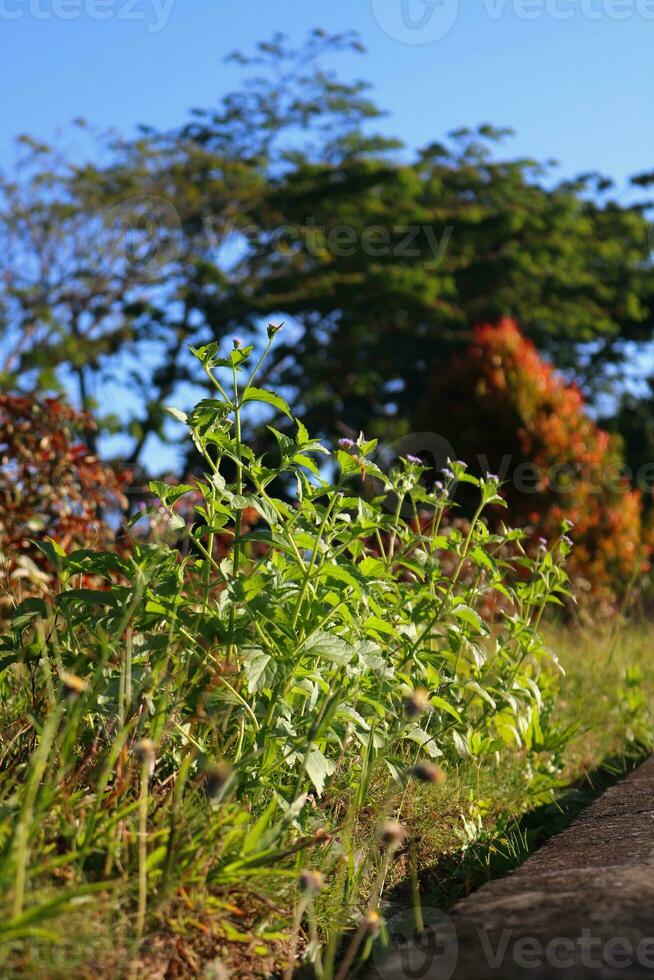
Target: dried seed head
393,834
144,752
427,772
372,922
215,970
216,777
73,685
416,702
311,882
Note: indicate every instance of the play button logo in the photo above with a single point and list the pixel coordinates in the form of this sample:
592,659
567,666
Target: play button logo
415,21
431,954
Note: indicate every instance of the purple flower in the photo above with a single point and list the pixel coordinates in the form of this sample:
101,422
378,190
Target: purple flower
413,459
493,477
567,540
448,474
237,342
346,443
542,544
438,485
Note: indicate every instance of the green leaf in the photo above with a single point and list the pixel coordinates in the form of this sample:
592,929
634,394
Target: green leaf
254,665
269,397
169,493
238,355
28,610
52,550
444,706
339,574
177,414
328,647
91,597
318,768
416,734
469,616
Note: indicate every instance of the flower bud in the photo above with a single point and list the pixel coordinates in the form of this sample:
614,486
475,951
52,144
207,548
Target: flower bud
216,777
274,328
393,834
311,882
73,685
144,753
427,772
372,923
416,702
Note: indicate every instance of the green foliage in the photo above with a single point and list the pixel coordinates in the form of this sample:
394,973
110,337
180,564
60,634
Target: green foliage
202,722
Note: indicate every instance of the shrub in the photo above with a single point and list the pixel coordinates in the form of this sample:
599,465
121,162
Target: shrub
507,411
211,722
51,485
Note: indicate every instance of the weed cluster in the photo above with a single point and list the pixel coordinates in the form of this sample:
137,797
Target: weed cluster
205,723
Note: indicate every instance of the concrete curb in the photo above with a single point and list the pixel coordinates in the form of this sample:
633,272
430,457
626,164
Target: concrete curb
581,908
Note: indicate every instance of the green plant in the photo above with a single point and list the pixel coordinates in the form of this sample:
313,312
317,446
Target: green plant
325,662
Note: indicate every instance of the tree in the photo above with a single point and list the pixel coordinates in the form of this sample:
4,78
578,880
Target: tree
522,421
110,270
281,204
390,264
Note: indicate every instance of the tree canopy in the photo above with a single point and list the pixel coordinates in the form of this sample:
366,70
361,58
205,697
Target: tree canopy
283,203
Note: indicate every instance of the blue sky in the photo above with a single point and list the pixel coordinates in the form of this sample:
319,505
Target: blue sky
575,78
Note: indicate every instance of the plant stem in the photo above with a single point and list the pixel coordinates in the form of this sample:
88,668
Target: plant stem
143,849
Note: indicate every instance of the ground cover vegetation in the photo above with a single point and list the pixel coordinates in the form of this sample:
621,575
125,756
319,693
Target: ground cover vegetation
200,724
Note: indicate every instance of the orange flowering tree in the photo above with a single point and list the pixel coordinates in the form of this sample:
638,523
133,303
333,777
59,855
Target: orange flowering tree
51,485
506,410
